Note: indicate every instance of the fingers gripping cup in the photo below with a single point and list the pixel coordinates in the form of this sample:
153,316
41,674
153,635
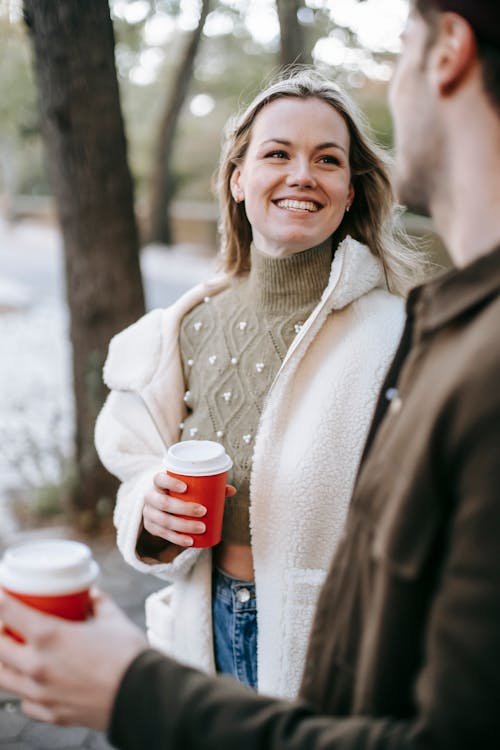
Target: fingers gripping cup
52,575
203,466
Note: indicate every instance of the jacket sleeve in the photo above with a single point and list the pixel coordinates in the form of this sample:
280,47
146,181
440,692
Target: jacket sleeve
162,704
144,359
130,447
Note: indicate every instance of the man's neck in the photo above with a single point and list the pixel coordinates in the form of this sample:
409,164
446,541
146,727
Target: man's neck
467,209
470,228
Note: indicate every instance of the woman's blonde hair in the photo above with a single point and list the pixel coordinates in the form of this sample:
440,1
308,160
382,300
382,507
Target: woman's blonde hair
373,218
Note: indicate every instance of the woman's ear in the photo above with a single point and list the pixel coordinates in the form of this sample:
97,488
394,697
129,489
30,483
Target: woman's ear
235,184
350,197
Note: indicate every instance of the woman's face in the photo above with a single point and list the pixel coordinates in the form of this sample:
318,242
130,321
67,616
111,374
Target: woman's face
295,178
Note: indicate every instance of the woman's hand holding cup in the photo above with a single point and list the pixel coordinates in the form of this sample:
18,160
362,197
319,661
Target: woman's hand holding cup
186,502
164,515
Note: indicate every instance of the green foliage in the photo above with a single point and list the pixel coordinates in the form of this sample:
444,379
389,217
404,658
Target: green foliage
22,167
18,99
230,68
373,102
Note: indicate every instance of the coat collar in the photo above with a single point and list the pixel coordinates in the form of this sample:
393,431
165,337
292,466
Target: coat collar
355,272
453,294
136,354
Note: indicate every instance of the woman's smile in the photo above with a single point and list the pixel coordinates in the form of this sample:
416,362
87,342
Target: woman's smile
297,205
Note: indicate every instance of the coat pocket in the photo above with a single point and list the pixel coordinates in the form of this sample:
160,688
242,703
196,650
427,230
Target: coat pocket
178,617
160,619
301,595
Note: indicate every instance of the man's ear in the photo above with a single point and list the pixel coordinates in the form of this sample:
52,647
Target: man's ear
235,184
454,52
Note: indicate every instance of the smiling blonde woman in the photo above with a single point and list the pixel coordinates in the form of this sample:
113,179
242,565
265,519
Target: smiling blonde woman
280,359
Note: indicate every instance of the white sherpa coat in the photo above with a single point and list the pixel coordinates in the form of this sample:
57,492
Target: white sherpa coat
307,449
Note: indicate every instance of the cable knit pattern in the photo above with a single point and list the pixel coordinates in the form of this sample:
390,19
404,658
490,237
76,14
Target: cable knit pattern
309,441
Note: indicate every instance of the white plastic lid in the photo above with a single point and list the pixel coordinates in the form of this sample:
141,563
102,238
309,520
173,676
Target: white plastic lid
48,567
197,458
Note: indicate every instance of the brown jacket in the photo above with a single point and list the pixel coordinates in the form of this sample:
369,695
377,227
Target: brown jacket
405,650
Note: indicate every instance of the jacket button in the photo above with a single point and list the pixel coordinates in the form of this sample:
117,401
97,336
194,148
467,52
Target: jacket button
243,595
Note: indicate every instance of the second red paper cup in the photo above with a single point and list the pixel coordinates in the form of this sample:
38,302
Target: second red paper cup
52,575
203,466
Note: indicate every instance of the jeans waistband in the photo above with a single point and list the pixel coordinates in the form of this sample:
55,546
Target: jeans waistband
234,590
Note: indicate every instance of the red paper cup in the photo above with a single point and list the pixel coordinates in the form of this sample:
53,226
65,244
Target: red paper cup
203,466
52,575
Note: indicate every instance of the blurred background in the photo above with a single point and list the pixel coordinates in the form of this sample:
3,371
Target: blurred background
111,118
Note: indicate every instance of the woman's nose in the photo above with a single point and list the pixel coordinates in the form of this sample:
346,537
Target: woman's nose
300,174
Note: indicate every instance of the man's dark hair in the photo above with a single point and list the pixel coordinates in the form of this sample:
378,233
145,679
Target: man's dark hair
488,52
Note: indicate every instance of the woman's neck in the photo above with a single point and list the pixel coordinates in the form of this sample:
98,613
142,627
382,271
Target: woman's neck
280,285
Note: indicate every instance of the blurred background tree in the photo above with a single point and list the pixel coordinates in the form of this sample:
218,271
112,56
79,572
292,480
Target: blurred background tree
293,47
183,66
80,116
162,182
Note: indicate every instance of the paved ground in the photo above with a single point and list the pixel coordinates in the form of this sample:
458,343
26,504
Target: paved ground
129,589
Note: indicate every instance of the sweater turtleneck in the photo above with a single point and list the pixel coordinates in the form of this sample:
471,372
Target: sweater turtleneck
232,345
282,285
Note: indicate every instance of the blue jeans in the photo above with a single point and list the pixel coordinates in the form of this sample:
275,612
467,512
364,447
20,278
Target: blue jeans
234,615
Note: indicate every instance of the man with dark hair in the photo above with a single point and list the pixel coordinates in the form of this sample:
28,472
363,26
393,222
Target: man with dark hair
405,649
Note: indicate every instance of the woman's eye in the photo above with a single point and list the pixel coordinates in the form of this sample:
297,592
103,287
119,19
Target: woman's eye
277,155
329,159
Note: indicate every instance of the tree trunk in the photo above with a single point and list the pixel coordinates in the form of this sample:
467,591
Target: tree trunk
81,119
161,183
292,50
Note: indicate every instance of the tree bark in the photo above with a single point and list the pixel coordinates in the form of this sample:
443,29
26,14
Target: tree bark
161,182
292,48
73,46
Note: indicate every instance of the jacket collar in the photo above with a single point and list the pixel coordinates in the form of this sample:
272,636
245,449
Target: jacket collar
355,272
453,294
136,354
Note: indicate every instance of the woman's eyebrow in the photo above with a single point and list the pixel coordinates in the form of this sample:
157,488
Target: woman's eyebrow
319,147
276,140
330,144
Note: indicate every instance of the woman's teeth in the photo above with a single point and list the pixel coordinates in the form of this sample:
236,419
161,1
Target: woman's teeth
297,205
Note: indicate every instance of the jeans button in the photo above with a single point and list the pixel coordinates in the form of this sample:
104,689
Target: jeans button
243,595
